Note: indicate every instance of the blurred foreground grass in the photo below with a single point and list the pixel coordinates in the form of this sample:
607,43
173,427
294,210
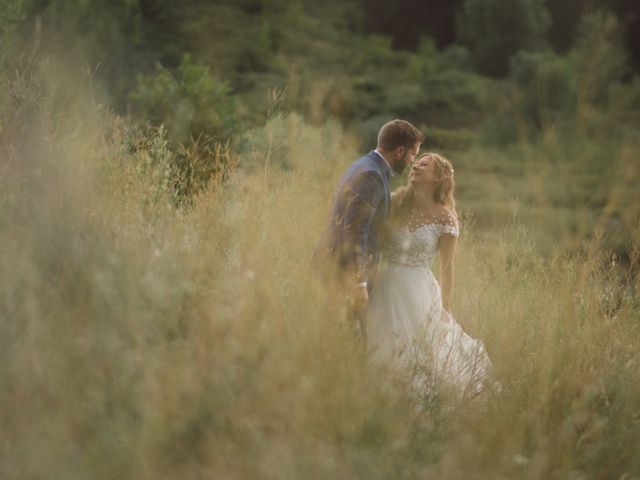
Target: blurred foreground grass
141,340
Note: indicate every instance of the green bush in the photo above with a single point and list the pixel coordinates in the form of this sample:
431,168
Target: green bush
276,146
168,175
438,88
200,115
494,30
455,97
600,60
449,139
582,92
190,101
10,14
547,84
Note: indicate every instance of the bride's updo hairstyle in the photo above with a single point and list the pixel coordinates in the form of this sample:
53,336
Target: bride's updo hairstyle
402,198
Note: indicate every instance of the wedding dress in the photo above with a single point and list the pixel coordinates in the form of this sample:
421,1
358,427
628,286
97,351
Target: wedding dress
407,327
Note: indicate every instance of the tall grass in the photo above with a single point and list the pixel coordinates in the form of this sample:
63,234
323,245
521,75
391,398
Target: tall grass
145,340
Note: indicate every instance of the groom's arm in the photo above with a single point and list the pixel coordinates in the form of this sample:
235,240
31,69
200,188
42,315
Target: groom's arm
364,197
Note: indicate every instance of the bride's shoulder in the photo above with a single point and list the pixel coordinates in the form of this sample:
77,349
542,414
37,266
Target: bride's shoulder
447,218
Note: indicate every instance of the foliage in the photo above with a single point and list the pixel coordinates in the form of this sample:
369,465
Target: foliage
438,78
189,101
171,176
494,30
600,58
548,89
97,32
406,21
581,91
10,13
437,89
200,117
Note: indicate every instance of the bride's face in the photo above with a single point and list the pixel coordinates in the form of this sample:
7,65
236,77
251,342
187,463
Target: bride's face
422,171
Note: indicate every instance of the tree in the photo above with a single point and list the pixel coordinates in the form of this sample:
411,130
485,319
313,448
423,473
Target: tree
628,11
10,14
189,100
494,30
407,21
565,17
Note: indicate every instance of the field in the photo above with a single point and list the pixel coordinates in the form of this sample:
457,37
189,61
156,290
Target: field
143,337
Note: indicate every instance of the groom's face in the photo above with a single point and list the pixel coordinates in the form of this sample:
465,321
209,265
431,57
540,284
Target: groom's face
405,156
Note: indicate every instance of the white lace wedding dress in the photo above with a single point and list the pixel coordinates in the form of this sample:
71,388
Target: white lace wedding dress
407,328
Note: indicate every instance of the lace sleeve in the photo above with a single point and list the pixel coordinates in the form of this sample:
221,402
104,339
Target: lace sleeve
448,230
448,224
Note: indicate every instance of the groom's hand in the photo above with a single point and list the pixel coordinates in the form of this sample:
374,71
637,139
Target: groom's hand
359,298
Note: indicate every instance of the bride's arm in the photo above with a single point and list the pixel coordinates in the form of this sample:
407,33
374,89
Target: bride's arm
447,254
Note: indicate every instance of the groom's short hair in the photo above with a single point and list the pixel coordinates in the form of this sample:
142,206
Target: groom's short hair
398,133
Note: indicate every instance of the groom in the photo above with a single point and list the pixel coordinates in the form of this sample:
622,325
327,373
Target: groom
351,244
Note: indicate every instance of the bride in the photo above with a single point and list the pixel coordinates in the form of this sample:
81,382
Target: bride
409,324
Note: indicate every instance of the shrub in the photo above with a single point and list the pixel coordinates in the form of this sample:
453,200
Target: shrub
190,102
494,30
547,86
10,14
580,92
599,57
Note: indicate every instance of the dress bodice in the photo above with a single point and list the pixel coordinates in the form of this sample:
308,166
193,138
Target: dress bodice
417,248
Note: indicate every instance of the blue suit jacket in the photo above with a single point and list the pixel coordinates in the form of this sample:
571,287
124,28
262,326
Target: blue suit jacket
353,239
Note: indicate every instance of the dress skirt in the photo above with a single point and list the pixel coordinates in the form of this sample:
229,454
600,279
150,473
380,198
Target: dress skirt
408,329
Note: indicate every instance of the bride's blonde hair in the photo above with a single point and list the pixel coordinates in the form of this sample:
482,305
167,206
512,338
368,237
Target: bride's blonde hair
402,198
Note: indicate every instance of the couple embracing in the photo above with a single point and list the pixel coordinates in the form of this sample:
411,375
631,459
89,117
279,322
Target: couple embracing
379,246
